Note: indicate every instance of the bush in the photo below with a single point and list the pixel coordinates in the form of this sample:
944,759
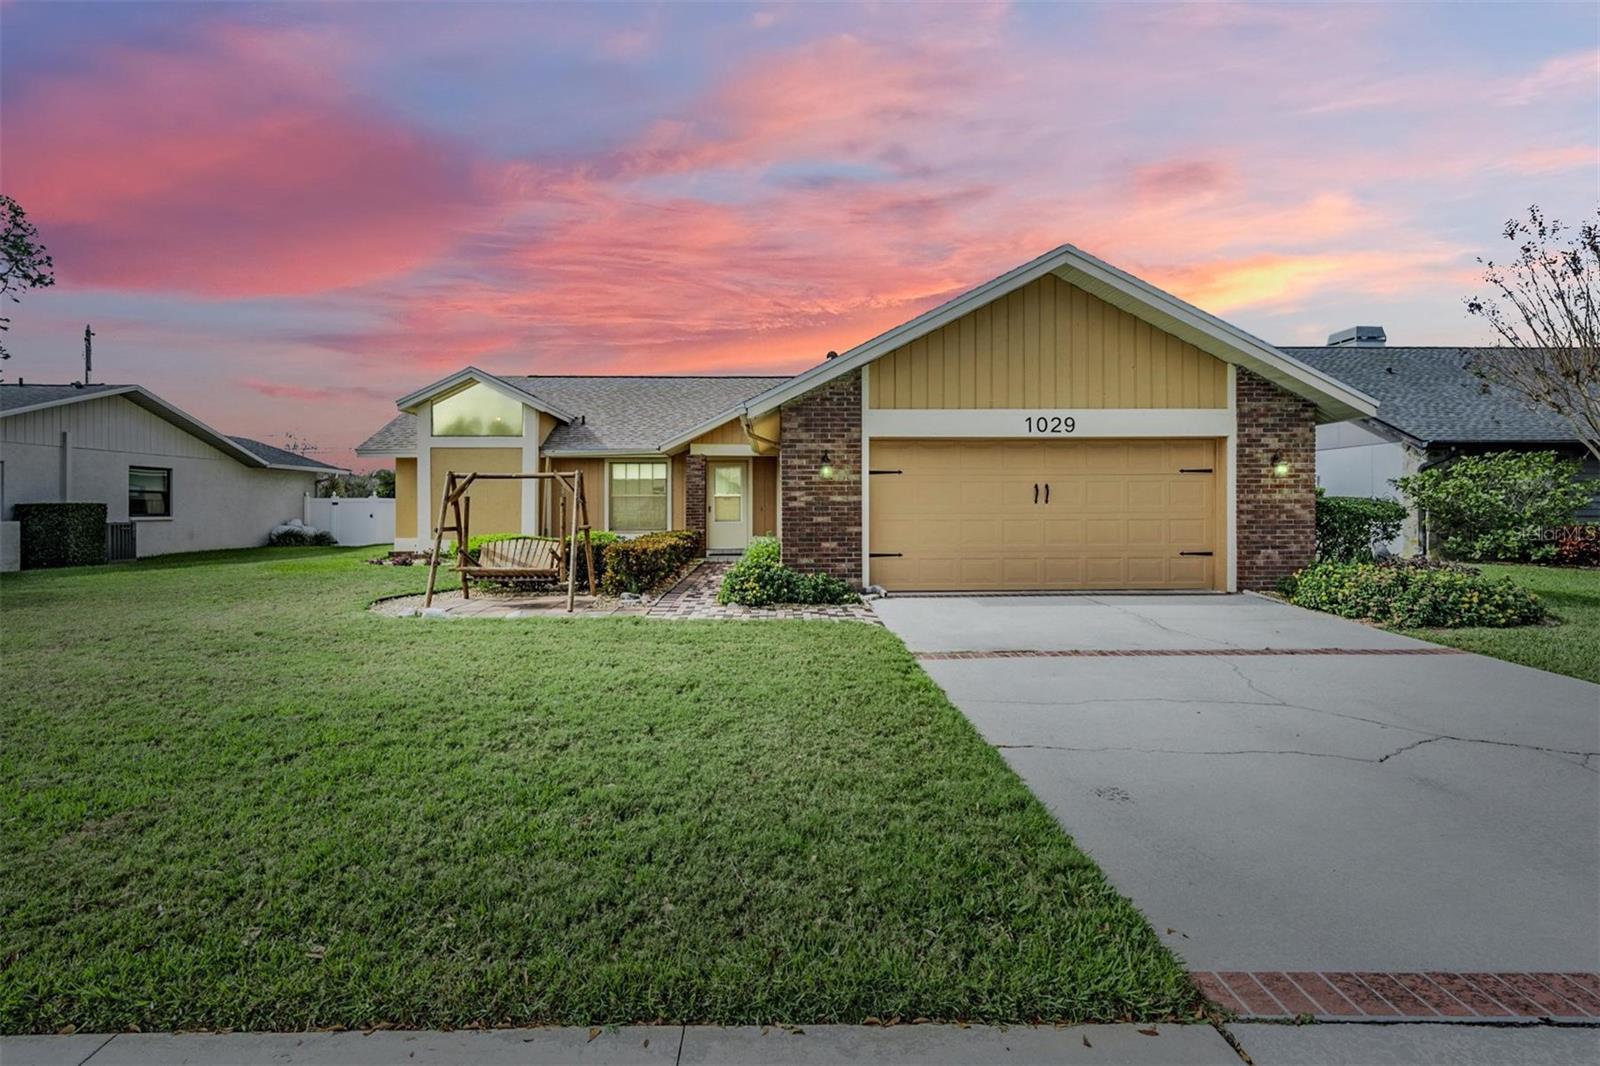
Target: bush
1502,505
1415,593
61,534
759,579
1578,545
300,536
1349,528
642,563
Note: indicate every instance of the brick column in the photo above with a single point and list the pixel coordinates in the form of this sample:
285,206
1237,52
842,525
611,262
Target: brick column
822,516
1277,516
694,494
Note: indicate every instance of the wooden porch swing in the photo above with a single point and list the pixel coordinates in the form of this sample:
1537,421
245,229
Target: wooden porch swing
523,558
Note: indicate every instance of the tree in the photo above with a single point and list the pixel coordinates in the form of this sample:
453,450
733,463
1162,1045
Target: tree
1544,307
23,262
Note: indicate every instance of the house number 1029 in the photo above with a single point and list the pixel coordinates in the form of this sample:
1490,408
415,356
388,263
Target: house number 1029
1051,423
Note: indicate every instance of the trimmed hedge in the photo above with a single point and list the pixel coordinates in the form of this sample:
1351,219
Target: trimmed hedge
61,534
1499,505
1414,593
759,579
641,563
1349,528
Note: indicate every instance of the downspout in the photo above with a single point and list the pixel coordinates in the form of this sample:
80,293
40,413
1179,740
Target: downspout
1422,514
749,431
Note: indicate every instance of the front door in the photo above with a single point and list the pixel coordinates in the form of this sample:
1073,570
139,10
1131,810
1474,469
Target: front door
728,528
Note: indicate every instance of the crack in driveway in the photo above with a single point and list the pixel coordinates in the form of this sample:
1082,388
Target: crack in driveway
1585,756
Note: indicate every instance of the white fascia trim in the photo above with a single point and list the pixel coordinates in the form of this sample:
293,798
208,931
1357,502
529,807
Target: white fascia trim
1008,423
597,453
386,453
149,401
730,451
1341,400
412,400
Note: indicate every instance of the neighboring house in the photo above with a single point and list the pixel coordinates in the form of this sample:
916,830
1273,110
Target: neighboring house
1064,426
182,485
1431,408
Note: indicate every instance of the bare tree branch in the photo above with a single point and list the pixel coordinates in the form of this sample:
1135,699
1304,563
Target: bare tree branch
1546,313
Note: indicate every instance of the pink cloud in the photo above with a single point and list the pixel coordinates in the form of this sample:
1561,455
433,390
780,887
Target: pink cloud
236,168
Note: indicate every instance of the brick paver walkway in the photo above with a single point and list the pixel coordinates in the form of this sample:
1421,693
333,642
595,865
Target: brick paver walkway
1499,997
696,597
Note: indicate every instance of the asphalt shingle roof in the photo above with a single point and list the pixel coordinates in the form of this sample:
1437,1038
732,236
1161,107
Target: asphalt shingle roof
615,414
1429,394
280,457
13,396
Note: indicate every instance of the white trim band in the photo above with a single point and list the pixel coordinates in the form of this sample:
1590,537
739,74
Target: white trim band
1048,424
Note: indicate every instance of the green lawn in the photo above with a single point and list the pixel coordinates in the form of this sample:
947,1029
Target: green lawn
1571,648
232,797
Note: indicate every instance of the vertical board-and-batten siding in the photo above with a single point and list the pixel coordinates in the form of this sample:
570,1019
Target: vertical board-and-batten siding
113,424
405,497
1049,344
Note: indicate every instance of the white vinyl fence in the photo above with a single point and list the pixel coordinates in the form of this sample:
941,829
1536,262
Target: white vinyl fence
356,520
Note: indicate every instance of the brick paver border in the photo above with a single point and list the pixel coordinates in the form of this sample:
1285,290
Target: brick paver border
1119,653
1433,996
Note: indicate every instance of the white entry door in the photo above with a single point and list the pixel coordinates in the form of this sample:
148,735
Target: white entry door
728,528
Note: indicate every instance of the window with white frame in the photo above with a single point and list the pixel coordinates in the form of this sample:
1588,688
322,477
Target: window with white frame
638,495
149,492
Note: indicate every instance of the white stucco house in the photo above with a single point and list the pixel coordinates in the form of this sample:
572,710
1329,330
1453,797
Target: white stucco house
1432,408
168,480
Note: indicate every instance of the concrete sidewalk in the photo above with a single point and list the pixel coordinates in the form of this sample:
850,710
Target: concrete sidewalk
665,1045
671,1045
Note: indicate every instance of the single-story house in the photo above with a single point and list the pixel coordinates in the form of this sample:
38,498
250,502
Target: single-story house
1063,426
168,480
1432,407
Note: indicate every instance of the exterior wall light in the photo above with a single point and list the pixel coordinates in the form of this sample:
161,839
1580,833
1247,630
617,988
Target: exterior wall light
827,467
1280,465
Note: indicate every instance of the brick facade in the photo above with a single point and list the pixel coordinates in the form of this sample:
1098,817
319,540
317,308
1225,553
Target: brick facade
822,516
1276,515
694,494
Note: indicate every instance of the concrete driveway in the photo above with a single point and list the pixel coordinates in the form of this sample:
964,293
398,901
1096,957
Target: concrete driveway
1371,804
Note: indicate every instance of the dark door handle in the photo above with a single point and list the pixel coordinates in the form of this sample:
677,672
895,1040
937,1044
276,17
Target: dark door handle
1035,492
1047,492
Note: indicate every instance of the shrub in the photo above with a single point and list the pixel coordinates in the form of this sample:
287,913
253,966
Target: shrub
61,534
1411,593
1498,506
1349,528
1578,545
759,579
643,562
300,537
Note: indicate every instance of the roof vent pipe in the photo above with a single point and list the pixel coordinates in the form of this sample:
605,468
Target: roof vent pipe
1358,337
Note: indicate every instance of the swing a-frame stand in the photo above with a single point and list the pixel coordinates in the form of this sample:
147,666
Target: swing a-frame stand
524,558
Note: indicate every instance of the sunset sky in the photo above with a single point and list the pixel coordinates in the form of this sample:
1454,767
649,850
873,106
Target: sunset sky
281,217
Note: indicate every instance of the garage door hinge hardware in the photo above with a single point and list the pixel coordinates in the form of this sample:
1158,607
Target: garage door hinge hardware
885,471
1194,553
885,555
1195,470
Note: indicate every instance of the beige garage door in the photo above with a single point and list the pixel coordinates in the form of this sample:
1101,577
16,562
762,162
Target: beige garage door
1057,514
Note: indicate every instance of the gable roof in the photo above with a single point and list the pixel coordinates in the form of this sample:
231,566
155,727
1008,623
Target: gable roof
1430,395
21,399
516,388
1335,400
611,414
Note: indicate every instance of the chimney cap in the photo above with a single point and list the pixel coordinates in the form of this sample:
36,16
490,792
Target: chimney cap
1358,337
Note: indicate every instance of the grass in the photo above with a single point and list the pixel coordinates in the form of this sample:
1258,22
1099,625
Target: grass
1571,648
234,798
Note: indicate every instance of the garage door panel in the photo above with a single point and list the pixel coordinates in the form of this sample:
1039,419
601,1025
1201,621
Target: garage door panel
963,514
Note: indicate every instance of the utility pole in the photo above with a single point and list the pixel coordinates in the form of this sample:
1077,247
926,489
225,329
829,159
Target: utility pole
88,353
